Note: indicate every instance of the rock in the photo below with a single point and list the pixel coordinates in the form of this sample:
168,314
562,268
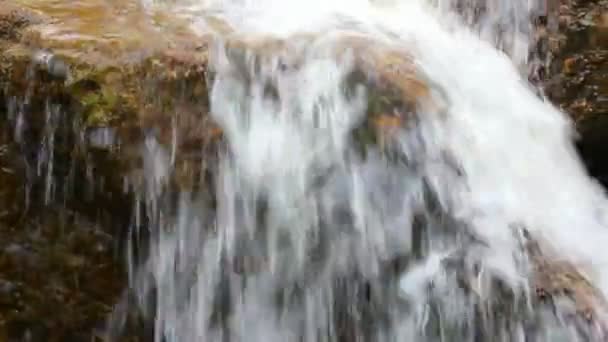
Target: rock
555,279
396,89
7,287
114,77
557,282
603,19
51,64
569,65
102,68
576,79
96,62
27,331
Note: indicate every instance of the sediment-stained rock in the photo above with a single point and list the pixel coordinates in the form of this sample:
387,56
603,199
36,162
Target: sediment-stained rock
110,59
556,282
576,79
99,64
115,66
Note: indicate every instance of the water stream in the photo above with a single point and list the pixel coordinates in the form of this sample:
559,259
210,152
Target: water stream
302,237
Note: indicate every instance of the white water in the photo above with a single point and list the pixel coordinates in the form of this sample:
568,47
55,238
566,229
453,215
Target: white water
305,227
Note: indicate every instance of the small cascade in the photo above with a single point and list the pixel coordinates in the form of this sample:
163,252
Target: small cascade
307,225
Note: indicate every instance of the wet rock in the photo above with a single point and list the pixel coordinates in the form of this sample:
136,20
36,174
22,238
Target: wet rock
395,89
21,255
102,137
119,82
571,294
13,20
106,73
577,80
52,64
7,287
27,331
121,85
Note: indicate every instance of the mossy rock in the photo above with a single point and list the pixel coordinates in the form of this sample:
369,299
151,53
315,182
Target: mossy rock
108,74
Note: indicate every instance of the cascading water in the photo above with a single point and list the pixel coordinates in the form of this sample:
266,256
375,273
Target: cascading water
306,238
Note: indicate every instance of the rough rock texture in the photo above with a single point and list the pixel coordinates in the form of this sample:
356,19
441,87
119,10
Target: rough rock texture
111,69
578,77
108,71
112,76
74,75
574,78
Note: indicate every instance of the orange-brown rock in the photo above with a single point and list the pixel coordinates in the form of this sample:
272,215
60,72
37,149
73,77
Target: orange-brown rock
556,278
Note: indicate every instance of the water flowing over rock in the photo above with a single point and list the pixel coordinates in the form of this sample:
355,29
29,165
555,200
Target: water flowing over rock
301,171
433,234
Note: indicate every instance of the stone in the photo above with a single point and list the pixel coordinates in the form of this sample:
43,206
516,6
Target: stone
96,61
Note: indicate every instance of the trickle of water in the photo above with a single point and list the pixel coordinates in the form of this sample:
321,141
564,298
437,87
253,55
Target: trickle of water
308,239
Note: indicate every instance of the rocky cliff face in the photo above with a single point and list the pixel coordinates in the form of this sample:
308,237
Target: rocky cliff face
577,76
81,87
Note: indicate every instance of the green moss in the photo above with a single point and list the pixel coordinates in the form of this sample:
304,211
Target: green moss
100,107
91,100
98,116
109,96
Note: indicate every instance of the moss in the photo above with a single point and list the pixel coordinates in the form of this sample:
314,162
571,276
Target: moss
105,91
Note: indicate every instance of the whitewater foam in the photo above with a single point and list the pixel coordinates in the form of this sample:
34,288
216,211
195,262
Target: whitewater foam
310,222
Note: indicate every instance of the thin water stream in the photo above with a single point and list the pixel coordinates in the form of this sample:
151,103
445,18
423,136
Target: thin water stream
308,239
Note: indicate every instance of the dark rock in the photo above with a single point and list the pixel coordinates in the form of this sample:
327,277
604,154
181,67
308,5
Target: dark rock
27,331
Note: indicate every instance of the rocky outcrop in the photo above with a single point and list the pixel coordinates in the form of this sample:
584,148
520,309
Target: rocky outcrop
98,66
576,80
90,80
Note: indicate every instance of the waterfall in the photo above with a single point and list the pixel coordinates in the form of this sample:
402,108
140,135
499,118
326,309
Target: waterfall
308,233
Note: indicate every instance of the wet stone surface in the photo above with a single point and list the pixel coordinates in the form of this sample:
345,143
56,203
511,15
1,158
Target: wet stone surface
73,114
578,77
579,82
61,268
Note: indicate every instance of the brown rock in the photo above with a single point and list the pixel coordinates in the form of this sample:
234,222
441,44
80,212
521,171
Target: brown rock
569,65
555,278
